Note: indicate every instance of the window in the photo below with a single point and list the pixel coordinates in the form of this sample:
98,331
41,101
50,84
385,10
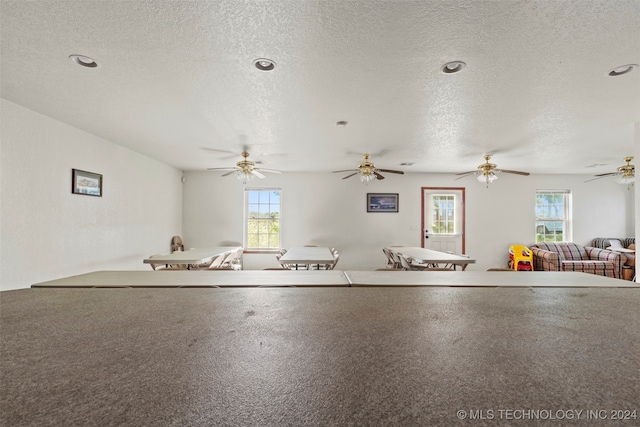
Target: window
443,213
553,216
262,219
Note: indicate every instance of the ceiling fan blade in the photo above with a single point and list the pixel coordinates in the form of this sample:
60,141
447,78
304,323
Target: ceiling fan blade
267,170
228,173
229,154
378,176
348,170
382,152
348,176
464,174
390,171
216,150
510,171
222,169
598,177
256,173
608,174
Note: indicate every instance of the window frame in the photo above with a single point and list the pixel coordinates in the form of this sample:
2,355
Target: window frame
245,238
566,218
454,221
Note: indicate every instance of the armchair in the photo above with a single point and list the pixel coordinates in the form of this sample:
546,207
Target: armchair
626,245
565,256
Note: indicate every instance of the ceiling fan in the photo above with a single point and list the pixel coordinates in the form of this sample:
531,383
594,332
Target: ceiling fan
368,171
245,169
625,174
487,171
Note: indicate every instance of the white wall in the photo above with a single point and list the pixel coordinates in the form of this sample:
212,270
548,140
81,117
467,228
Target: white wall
322,209
47,233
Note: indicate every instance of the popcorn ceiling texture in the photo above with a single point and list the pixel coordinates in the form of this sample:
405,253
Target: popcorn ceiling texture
176,76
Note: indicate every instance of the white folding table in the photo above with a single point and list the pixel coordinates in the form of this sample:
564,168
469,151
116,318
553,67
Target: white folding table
308,255
429,256
497,279
200,279
192,256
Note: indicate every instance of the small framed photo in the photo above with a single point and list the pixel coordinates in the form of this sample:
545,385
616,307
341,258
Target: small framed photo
382,202
87,183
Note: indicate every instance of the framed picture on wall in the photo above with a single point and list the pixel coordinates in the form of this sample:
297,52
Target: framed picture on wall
86,183
382,202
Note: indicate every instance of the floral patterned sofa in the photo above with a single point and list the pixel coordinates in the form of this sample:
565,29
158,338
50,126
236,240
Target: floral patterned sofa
566,256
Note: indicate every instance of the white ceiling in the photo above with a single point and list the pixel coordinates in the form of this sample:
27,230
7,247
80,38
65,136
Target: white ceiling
176,80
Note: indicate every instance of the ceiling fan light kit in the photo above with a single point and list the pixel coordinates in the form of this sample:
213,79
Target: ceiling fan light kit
626,180
367,178
244,176
487,178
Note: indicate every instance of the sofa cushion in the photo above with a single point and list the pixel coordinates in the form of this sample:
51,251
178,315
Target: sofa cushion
604,242
601,268
565,250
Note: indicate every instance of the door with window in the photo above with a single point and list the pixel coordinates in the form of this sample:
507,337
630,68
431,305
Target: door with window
443,219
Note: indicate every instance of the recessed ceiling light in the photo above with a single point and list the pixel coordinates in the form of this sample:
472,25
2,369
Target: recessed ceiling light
623,69
264,64
453,67
342,123
85,61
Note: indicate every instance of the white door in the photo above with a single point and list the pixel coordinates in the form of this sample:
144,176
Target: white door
443,219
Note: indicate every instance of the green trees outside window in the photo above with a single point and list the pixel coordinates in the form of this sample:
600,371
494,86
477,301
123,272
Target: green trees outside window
262,219
443,213
553,216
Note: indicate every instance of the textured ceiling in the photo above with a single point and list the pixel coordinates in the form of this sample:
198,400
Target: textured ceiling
176,81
